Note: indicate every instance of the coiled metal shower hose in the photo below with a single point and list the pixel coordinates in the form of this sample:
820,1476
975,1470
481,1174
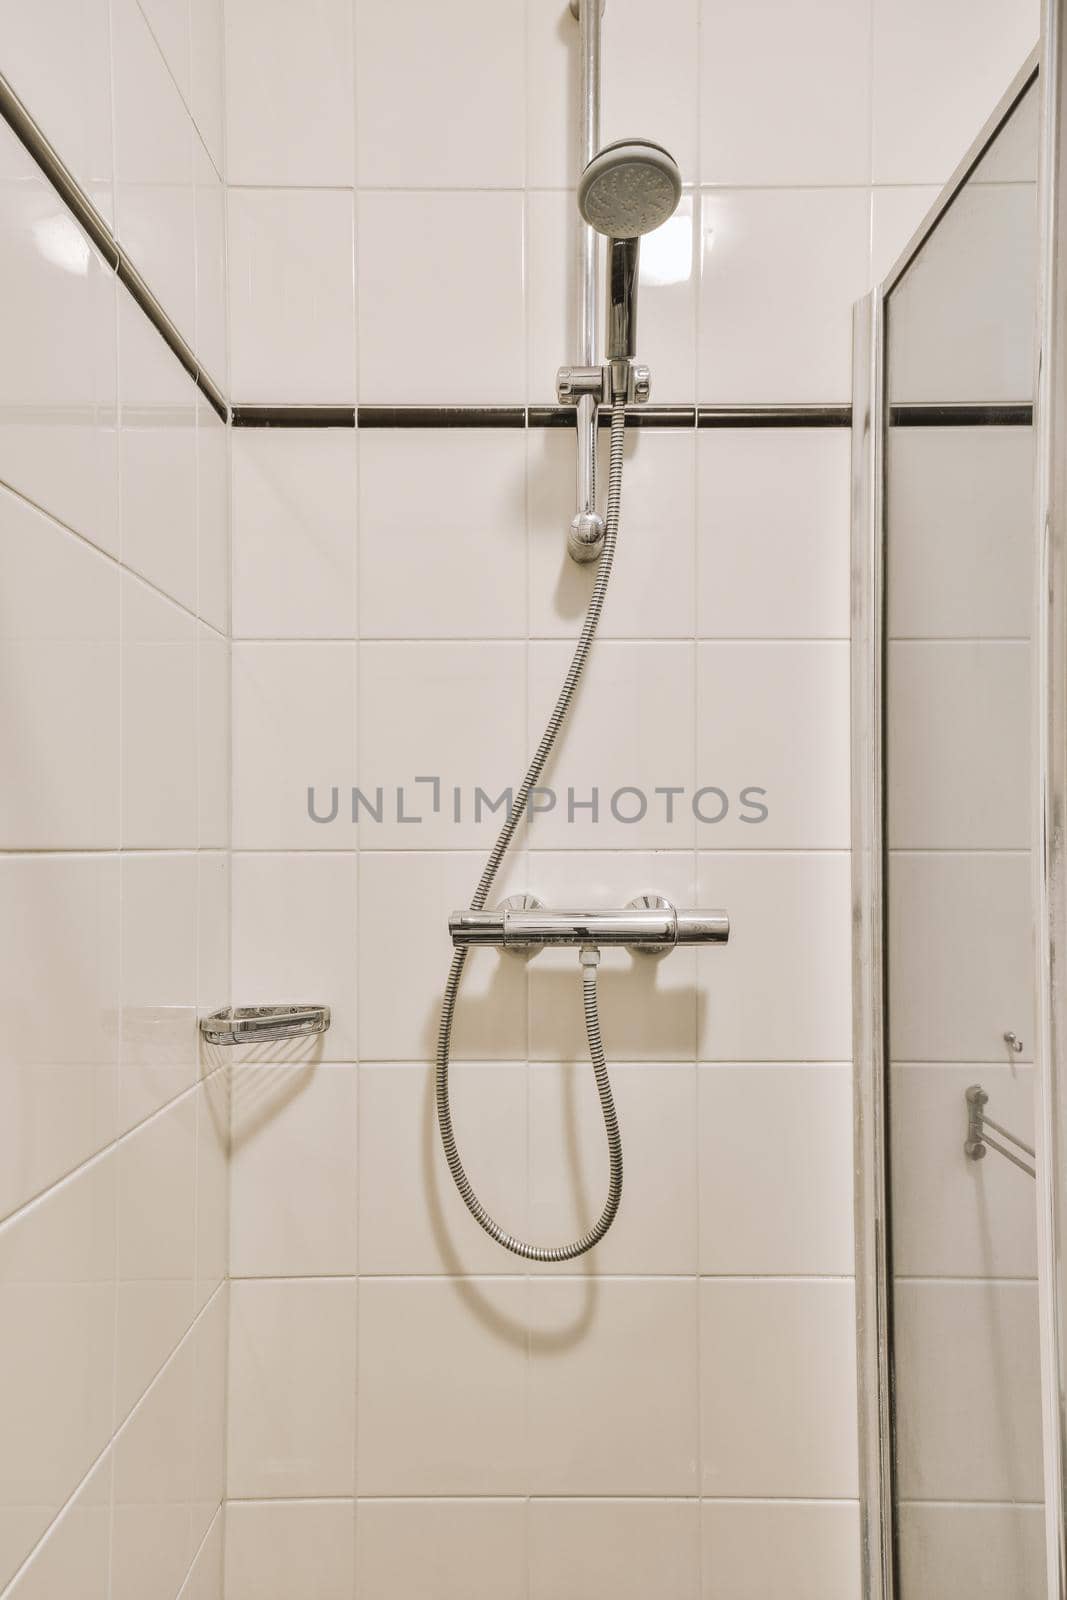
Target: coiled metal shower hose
589,957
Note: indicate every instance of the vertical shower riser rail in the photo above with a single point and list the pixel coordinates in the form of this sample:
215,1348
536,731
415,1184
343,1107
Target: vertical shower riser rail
588,13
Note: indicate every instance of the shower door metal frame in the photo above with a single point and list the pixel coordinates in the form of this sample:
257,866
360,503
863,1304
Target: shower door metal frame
1050,798
874,1309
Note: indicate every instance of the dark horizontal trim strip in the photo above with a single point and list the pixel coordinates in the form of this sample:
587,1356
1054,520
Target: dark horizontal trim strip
662,416
774,416
38,147
442,416
962,416
293,416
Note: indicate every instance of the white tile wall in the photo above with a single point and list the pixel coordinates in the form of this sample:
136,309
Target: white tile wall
786,93
289,92
292,296
495,1409
114,540
463,317
279,1548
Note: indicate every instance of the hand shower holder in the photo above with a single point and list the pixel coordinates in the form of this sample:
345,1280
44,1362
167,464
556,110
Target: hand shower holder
649,925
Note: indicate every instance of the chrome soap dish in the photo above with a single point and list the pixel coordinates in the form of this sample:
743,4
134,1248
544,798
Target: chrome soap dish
258,1024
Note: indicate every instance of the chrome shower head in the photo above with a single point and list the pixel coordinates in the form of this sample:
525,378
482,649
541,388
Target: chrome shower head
629,188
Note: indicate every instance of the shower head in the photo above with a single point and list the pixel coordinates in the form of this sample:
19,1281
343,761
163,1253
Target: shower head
629,188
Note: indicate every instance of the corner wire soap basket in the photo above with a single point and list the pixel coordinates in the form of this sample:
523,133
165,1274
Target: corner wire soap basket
260,1024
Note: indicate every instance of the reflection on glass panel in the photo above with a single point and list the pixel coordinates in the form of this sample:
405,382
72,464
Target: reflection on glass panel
959,470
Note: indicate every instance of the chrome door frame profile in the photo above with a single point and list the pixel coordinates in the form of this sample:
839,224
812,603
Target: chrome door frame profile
874,1319
1050,790
870,1101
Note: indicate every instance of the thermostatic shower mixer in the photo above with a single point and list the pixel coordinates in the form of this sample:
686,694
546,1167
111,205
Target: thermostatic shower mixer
649,925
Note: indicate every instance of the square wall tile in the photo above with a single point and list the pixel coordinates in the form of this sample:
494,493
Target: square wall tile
156,1169
990,1550
294,940
59,686
58,60
953,1341
551,95
776,1170
292,296
58,380
294,533
779,991
655,1231
212,342
455,129
651,593
491,1014
289,93
213,517
969,499
152,1518
154,166
778,1377
293,792
213,730
781,270
925,111
435,718
648,1008
442,1387
158,457
290,1218
206,89
452,335
773,501
959,977
622,765
629,1549
169,23
455,568
773,744
57,1332
213,946
158,1027
425,1547
953,1217
207,1574
753,1549
279,1548
213,1148
58,1063
292,1395
411,1217
619,1358
160,797
785,92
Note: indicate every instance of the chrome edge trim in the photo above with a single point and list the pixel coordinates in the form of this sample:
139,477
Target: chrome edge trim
33,139
977,149
873,1327
1050,789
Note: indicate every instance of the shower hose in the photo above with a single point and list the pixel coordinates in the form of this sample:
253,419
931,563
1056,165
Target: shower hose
589,957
